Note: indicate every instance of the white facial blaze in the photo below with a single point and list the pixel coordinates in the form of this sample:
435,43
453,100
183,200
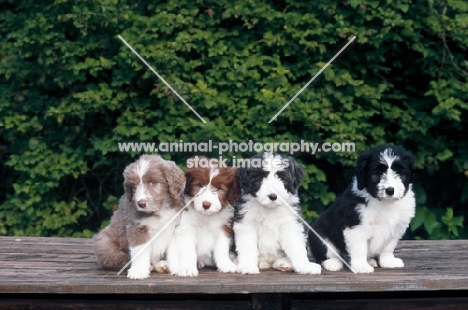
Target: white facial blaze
141,169
390,179
387,157
208,195
272,163
272,185
213,172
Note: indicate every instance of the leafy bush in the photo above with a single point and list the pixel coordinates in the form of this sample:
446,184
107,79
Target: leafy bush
70,91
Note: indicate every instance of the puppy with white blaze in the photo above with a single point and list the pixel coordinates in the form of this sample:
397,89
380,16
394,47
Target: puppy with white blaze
366,222
203,236
153,195
267,232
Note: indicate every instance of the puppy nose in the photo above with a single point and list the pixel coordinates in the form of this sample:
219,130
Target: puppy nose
389,191
206,205
142,203
272,197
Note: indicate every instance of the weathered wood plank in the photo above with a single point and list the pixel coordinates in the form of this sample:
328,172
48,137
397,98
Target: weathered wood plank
429,303
101,304
68,266
269,302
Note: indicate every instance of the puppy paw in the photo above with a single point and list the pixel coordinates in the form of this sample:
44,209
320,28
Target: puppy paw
308,268
187,272
227,267
391,263
138,273
161,267
283,264
248,269
373,263
263,264
362,268
332,264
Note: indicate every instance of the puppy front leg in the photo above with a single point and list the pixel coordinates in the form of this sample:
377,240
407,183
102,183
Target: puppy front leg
221,254
140,267
357,247
386,257
293,244
187,249
173,257
246,247
138,236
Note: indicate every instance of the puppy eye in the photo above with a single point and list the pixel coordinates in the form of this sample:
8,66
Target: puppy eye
281,175
258,174
152,183
200,184
402,174
382,168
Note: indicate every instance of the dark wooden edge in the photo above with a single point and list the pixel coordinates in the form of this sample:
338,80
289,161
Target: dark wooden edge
437,300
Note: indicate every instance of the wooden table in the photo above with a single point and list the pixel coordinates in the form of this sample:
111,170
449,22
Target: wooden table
62,273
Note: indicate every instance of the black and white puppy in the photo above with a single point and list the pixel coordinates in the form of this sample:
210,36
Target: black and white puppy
267,232
366,222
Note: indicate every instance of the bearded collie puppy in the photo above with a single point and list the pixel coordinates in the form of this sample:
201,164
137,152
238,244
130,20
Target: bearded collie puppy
267,230
366,222
203,237
153,195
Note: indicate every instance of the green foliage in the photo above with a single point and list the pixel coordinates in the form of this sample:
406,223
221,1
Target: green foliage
445,226
70,90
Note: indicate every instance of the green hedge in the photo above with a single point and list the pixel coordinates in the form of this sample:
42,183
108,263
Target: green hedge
71,90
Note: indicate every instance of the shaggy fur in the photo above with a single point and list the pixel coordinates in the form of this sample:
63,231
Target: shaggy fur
267,231
204,234
366,222
153,195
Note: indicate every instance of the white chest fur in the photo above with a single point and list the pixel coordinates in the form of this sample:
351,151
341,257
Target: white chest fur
156,224
205,228
271,237
268,224
383,220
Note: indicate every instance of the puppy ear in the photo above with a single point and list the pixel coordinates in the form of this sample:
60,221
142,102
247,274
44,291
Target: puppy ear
234,189
361,169
189,178
175,178
243,179
299,172
409,159
128,188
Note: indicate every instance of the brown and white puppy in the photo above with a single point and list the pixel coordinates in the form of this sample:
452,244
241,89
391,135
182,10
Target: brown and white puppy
203,237
153,195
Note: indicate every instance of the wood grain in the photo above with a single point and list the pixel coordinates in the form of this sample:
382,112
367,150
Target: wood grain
68,266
